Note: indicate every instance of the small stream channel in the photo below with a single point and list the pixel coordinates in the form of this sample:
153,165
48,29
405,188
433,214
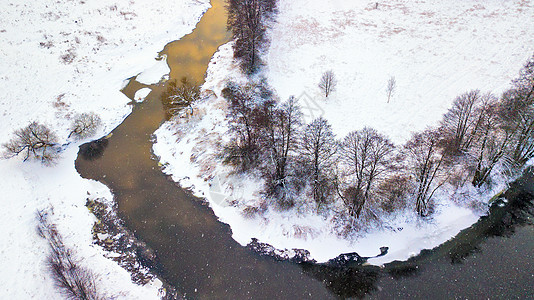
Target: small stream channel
197,254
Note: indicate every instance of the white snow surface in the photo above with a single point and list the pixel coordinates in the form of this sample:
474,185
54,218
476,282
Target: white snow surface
157,72
141,94
436,50
60,58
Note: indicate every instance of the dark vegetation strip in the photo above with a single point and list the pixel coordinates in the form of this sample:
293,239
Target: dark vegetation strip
123,246
72,280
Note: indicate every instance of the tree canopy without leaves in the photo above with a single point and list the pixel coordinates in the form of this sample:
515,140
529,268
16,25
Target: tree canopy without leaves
280,125
328,83
85,125
317,148
179,95
35,141
426,164
366,157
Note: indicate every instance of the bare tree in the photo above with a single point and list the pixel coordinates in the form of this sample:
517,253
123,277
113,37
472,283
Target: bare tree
492,143
179,95
517,114
247,21
33,141
328,83
391,86
366,157
462,122
85,125
425,163
393,192
317,148
243,149
73,280
281,125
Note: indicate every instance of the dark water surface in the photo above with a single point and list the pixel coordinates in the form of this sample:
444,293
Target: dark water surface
493,259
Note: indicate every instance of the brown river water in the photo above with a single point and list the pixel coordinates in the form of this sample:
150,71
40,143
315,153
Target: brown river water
196,253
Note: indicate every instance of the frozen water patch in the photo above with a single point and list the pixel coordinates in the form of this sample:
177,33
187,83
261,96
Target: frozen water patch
141,94
157,72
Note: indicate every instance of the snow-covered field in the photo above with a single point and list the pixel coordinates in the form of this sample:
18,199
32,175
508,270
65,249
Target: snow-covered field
436,50
60,58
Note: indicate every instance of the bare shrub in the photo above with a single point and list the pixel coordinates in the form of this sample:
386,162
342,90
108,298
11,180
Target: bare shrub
73,280
328,83
69,56
85,125
35,141
391,86
394,192
179,95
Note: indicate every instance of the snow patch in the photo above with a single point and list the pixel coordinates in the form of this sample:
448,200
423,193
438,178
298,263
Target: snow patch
141,94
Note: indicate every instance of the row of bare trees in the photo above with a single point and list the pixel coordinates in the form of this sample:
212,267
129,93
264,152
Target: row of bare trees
247,20
365,170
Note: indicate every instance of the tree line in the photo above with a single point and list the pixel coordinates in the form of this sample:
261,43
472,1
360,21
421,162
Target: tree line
365,170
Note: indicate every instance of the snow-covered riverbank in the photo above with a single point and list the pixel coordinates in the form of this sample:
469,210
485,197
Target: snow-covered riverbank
436,51
59,59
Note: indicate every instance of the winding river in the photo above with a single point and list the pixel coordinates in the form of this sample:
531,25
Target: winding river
197,254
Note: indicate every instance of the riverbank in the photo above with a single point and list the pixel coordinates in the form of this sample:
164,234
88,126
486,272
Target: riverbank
61,59
297,52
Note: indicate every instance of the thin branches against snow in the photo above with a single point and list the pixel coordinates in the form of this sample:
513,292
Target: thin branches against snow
35,141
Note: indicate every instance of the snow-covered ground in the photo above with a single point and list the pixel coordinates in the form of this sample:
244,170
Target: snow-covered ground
435,50
60,58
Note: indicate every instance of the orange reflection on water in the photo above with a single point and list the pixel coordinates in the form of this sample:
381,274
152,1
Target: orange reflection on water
190,55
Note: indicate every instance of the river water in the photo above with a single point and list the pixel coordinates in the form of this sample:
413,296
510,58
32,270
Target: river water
197,254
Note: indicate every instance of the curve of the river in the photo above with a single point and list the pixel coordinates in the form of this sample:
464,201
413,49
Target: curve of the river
197,254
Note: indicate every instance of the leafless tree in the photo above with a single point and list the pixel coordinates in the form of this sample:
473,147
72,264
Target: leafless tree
328,83
85,125
462,123
280,130
247,21
517,114
425,163
317,148
393,192
492,143
391,86
179,95
366,157
33,141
